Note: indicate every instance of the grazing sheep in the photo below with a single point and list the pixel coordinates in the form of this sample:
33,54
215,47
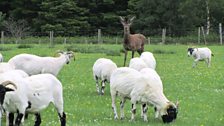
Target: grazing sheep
132,42
1,58
5,67
13,75
137,64
32,94
151,74
102,69
200,54
149,59
129,83
33,64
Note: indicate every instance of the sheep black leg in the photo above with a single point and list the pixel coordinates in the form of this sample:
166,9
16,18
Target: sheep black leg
103,87
97,85
144,110
62,118
122,107
133,110
11,119
38,119
18,119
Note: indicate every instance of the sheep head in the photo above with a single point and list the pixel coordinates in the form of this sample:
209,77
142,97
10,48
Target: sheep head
190,51
171,112
4,89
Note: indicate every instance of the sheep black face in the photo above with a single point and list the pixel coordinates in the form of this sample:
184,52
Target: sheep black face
3,90
190,51
171,115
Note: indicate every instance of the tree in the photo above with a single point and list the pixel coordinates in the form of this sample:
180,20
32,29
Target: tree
62,15
2,18
17,28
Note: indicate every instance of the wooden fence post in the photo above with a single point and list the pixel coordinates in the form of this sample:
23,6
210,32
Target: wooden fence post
163,36
220,32
2,37
203,32
99,36
149,41
65,41
51,38
199,35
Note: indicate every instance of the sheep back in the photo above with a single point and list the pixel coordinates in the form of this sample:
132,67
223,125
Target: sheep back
103,68
149,59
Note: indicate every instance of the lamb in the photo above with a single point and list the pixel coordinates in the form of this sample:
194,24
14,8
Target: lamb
5,67
149,59
200,54
130,83
137,64
132,42
102,69
32,94
33,64
1,58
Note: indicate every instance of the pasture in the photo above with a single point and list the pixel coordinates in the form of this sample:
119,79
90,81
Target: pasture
199,90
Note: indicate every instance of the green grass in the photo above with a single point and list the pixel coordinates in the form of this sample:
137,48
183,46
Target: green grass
199,90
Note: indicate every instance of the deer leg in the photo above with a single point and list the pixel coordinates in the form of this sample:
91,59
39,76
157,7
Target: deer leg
133,54
125,56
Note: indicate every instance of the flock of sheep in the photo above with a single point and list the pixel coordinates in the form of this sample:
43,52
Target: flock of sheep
141,84
28,84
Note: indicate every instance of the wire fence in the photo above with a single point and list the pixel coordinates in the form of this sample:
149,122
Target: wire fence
99,36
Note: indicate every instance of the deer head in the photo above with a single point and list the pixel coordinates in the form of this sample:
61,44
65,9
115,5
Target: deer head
126,23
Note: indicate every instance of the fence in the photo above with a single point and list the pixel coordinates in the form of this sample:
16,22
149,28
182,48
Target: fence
196,36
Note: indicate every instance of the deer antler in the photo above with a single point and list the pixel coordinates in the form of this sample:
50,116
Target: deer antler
131,20
121,18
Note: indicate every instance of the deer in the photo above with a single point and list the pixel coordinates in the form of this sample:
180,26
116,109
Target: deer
131,42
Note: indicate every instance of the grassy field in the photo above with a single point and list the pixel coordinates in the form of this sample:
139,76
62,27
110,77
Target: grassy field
200,90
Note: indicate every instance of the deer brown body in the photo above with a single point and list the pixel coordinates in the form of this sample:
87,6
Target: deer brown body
132,42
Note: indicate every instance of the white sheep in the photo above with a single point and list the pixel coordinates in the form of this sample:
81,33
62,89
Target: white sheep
1,58
152,75
5,67
33,64
149,59
32,94
129,83
200,54
137,64
13,75
102,70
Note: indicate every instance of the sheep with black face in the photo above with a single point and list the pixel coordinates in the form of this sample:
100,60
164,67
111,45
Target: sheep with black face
31,94
200,54
145,89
